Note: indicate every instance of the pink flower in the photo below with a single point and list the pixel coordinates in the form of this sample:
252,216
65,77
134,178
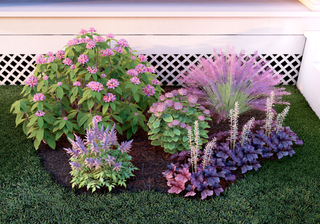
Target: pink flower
192,99
84,40
40,59
59,83
132,57
182,92
45,77
67,61
182,125
77,83
60,54
202,107
109,36
51,59
97,118
92,70
73,66
109,97
73,42
140,68
161,107
95,86
91,29
142,58
82,59
201,118
40,113
99,39
148,90
169,95
136,114
132,72
169,103
175,122
31,81
188,127
135,80
50,54
38,97
107,52
123,43
150,70
103,75
206,112
65,118
118,49
130,51
155,82
170,124
177,105
90,45
112,83
162,97
82,31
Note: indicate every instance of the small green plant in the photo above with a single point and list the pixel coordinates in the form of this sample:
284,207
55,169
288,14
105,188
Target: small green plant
93,76
171,119
100,161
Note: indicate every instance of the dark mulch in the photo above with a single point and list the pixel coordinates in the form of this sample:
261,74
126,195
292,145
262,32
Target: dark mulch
150,160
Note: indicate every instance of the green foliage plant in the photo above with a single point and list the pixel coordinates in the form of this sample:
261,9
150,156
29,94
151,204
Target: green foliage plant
93,76
171,119
100,161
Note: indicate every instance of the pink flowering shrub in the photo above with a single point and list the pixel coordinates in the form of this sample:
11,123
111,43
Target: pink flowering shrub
172,117
228,78
100,161
92,76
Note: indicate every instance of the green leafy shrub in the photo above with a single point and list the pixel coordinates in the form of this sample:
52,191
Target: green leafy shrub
90,78
171,119
99,160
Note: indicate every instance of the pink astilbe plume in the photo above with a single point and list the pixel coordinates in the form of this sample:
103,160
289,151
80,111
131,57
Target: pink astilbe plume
125,146
229,77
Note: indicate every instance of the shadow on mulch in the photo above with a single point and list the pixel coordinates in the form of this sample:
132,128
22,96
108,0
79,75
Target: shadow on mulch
150,160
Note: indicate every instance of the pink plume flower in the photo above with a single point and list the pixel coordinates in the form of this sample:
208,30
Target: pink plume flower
38,97
148,90
77,83
140,68
112,83
118,49
110,36
135,80
103,75
132,72
97,118
40,113
91,29
109,97
59,83
92,70
123,43
82,59
73,66
142,58
107,52
60,54
45,77
95,86
67,61
201,118
31,81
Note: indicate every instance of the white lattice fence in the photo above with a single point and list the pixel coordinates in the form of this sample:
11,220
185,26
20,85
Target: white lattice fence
15,68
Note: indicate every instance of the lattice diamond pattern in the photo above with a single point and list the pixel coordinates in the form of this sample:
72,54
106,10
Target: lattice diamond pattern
14,69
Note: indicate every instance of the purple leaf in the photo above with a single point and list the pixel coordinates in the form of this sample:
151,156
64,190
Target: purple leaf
246,168
205,193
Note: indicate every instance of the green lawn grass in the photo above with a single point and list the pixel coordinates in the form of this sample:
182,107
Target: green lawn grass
282,191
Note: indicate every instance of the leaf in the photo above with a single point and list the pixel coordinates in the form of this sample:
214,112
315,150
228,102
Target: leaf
32,121
40,133
60,92
176,131
118,118
156,142
205,193
136,97
156,124
36,143
83,120
40,122
51,142
134,89
167,118
54,67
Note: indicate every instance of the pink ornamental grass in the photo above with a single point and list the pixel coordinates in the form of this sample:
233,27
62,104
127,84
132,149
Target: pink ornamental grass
38,97
148,90
112,83
31,81
82,59
95,86
109,98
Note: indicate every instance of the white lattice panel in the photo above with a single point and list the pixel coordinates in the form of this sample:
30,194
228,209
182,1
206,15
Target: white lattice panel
14,68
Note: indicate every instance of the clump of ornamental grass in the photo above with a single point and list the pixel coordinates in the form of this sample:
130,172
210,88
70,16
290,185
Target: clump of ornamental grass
99,160
171,119
93,76
228,78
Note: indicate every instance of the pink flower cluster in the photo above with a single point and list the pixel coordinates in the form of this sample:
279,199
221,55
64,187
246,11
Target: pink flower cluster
155,82
107,52
118,49
73,66
112,83
40,113
103,75
135,80
132,72
50,54
92,70
123,43
92,30
45,77
60,54
140,68
95,86
67,61
73,42
82,31
109,97
90,44
110,36
148,90
99,39
51,59
59,84
97,118
150,70
40,59
31,81
82,59
142,58
77,83
38,97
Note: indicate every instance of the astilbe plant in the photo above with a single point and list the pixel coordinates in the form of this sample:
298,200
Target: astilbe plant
93,76
99,160
228,78
171,119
